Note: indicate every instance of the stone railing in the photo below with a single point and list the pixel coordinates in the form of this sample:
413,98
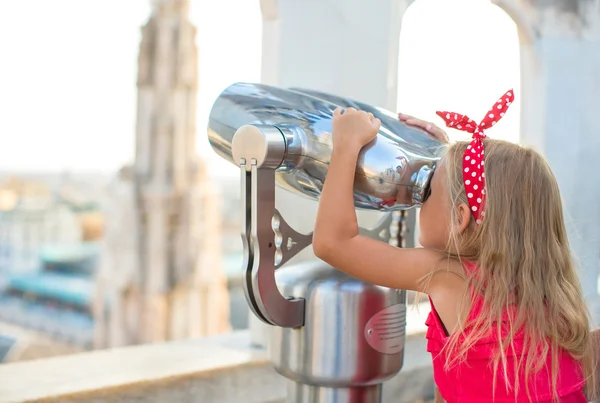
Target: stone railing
223,369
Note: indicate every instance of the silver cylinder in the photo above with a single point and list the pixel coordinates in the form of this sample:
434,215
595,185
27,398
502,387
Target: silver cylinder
393,170
352,339
300,393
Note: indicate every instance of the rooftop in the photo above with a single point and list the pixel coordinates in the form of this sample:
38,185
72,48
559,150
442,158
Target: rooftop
67,288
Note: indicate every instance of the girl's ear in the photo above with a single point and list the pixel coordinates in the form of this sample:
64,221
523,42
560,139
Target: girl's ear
463,215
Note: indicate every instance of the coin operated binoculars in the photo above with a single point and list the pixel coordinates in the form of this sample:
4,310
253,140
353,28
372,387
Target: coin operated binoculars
335,338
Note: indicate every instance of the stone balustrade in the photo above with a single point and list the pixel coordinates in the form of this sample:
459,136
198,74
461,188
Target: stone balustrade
223,369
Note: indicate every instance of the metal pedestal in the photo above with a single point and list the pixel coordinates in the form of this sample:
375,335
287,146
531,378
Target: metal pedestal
351,342
299,393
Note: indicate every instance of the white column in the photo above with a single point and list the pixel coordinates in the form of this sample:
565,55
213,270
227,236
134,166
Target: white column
560,61
345,47
572,146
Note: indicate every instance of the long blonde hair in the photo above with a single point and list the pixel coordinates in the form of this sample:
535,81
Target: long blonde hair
524,264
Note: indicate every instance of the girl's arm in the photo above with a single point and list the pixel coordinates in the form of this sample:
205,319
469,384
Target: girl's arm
336,239
438,396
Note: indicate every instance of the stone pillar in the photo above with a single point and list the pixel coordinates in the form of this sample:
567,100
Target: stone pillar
346,47
560,67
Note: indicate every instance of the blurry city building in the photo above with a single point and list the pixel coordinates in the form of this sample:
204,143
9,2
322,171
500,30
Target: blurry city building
32,216
47,266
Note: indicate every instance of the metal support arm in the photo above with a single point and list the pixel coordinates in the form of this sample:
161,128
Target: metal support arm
268,240
266,236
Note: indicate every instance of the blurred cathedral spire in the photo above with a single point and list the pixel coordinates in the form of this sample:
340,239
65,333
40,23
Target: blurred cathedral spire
163,270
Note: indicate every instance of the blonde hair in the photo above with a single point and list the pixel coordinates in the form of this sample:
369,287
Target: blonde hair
524,265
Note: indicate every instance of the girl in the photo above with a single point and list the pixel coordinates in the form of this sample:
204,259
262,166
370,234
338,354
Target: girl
508,321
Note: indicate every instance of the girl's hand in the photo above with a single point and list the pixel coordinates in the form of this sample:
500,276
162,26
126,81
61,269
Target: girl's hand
430,128
353,128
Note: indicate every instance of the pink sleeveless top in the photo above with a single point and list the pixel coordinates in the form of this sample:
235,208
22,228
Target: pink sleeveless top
472,381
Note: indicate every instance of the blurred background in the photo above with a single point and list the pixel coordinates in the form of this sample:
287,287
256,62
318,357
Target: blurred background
89,251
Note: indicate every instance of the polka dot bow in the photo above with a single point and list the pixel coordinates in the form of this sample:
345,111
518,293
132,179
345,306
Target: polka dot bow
473,160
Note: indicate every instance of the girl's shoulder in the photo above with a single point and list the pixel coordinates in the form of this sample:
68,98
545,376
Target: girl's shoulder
449,294
451,274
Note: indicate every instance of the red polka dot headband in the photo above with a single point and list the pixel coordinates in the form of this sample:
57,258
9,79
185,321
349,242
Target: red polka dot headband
473,160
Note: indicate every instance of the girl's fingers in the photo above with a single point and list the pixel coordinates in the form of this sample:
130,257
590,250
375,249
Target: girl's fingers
430,128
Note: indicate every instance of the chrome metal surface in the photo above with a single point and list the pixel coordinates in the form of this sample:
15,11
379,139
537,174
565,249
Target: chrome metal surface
385,330
392,171
253,146
334,348
288,242
299,393
382,230
265,145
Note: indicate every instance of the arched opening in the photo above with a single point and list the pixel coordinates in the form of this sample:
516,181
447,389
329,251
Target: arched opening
459,56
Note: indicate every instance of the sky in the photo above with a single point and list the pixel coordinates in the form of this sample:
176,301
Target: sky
68,72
